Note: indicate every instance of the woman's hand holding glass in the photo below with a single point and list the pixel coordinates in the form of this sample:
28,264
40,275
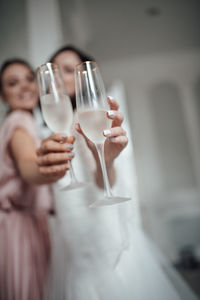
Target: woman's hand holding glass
116,139
53,156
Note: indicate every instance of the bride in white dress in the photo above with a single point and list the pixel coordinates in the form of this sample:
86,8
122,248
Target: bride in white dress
102,253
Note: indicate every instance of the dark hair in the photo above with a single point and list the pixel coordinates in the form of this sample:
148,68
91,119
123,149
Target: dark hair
12,61
83,56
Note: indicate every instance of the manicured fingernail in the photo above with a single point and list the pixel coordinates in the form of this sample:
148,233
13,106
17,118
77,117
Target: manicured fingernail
69,146
111,98
71,154
107,132
63,136
111,139
111,113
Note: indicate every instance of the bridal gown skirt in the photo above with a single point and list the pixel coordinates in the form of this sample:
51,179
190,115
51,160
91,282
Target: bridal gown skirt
99,254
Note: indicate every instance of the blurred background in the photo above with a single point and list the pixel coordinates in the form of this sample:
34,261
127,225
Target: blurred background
151,50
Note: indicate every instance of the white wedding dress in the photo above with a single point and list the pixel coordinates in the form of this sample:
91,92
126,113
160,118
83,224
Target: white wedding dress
102,253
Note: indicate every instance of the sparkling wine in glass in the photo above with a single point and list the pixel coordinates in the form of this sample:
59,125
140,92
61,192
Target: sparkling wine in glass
92,110
56,107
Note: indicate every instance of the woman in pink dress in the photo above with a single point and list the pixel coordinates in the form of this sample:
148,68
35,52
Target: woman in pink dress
25,197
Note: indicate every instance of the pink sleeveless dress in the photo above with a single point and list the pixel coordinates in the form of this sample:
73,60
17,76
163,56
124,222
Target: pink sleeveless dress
24,235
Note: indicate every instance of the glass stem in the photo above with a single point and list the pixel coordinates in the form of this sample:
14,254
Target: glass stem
107,188
71,172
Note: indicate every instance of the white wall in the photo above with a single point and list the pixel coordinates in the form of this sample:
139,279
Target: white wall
44,29
13,30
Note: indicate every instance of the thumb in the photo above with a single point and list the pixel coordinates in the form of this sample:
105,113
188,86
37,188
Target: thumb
70,139
79,130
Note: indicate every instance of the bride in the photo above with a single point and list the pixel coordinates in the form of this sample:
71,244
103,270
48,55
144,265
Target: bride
102,253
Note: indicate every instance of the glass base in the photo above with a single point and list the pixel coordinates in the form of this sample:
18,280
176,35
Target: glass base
73,186
109,201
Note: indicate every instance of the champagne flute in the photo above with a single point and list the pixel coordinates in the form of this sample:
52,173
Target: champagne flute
56,107
92,109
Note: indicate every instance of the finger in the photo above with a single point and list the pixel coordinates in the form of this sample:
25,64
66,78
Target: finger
116,117
112,103
58,137
70,139
119,140
115,131
54,158
53,146
78,128
56,170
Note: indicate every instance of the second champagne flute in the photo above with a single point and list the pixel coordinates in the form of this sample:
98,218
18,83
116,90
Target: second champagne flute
92,114
56,107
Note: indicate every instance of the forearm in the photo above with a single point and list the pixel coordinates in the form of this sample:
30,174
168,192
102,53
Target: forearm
26,159
30,172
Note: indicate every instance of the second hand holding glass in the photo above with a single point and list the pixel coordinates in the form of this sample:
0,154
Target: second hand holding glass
56,107
92,114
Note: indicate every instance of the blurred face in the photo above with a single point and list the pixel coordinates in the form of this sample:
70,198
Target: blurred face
19,88
67,61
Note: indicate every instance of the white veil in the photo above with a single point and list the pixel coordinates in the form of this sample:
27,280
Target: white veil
153,258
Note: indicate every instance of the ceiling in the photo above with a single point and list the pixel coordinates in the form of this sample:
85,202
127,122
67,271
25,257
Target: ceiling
112,29
109,29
